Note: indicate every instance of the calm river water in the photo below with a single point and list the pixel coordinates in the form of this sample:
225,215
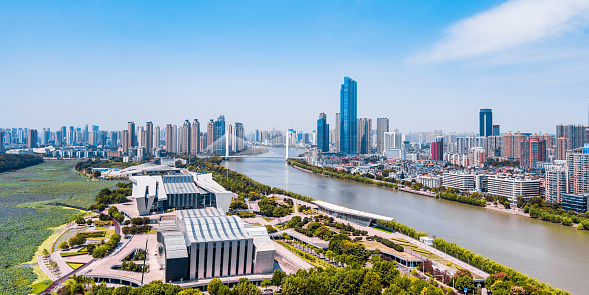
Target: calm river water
552,253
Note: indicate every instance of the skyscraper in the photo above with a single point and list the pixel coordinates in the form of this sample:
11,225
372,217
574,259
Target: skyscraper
1,142
364,136
210,136
148,138
169,138
219,132
438,150
578,171
131,133
382,126
195,138
32,138
578,134
486,122
156,139
186,133
240,136
125,141
563,145
337,132
348,116
322,133
496,130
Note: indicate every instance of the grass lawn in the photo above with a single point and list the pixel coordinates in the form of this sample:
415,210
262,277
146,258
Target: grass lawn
384,230
314,261
400,240
75,265
40,286
267,219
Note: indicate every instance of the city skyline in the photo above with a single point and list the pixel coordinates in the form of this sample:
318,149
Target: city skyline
237,60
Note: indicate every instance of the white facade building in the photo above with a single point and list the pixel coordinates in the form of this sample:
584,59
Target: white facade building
513,187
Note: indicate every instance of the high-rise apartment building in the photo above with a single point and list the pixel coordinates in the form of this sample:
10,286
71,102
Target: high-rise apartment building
148,144
203,143
437,150
169,148
486,122
337,132
532,151
563,145
2,134
210,136
32,138
364,136
322,133
348,116
555,182
131,133
45,136
382,126
578,134
186,141
155,143
578,170
512,145
195,138
125,141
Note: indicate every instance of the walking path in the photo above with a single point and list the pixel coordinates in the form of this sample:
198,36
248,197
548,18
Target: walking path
65,237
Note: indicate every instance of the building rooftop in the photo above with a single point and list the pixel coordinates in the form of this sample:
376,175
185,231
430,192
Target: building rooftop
344,210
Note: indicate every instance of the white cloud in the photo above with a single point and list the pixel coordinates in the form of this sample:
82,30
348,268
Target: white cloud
507,26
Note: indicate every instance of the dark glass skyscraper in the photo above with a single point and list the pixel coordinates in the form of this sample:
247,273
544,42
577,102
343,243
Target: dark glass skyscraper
322,133
486,122
348,116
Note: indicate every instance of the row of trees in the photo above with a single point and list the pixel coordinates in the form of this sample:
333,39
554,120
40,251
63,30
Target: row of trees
516,278
462,199
102,250
107,196
14,162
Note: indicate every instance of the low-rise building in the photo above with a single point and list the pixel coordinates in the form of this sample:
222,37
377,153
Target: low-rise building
206,243
184,191
513,187
461,181
574,202
430,181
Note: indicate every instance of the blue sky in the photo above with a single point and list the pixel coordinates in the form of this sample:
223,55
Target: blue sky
277,64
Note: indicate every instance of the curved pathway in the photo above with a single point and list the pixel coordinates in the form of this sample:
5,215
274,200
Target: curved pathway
65,237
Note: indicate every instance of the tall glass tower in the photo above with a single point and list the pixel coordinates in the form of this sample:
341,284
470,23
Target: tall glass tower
348,117
322,133
486,122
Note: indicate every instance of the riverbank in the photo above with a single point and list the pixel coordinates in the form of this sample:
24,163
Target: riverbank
400,187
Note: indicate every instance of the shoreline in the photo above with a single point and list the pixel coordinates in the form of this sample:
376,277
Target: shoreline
517,211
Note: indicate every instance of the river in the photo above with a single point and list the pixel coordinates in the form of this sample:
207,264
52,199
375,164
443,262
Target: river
551,253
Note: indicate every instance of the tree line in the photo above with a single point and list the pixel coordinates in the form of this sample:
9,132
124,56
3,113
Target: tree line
14,162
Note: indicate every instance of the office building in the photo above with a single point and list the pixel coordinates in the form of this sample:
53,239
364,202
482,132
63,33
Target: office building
574,202
437,150
513,187
218,133
382,126
195,138
2,135
496,130
186,191
460,181
364,136
206,243
322,133
210,136
486,122
348,117
169,132
578,170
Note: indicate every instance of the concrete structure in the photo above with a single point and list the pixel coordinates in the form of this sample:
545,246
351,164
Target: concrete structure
32,138
574,202
206,243
351,215
555,182
142,169
513,187
437,150
337,132
382,126
184,191
563,145
430,181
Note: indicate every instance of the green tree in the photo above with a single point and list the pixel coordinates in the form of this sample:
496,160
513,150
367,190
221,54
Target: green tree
464,282
266,283
63,245
190,292
277,277
213,286
371,285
